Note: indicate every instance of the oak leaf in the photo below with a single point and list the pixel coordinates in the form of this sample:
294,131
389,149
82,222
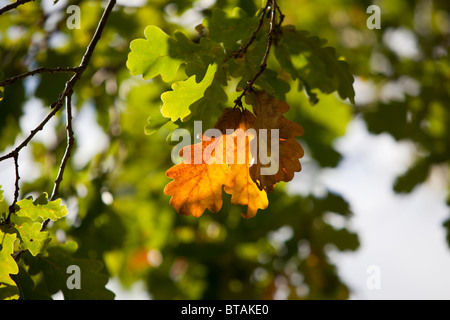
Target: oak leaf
231,157
244,190
269,115
197,187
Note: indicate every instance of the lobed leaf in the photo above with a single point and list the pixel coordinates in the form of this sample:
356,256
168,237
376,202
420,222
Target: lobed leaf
197,186
8,288
316,66
244,191
33,238
3,204
176,103
41,209
54,266
269,116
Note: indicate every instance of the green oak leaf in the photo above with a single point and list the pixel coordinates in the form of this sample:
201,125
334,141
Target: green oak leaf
33,238
159,54
8,288
306,58
176,103
230,30
27,288
41,209
247,66
54,266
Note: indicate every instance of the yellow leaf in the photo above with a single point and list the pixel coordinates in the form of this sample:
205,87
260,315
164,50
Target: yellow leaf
197,187
244,191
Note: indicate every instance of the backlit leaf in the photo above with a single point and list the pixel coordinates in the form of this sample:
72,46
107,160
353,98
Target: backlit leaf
244,191
32,238
176,103
159,54
197,187
269,116
41,209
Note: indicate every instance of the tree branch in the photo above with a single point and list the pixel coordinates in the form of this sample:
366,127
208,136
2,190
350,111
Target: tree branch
68,152
36,71
66,94
12,208
243,49
272,29
13,5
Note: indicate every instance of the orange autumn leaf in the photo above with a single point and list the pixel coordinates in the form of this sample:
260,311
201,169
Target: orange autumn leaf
269,115
234,160
244,190
197,187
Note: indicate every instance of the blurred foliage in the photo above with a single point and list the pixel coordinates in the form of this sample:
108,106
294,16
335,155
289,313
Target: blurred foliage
117,211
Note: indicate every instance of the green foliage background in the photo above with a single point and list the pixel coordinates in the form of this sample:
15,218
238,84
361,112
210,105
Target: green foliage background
138,236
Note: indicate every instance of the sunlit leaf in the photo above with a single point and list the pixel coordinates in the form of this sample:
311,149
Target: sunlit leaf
176,103
32,238
269,116
197,185
41,209
159,54
244,191
8,288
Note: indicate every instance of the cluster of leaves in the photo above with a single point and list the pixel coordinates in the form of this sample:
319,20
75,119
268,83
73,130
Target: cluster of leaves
43,260
228,49
198,185
223,53
119,215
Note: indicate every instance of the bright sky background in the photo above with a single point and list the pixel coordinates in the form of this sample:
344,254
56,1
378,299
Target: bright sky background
401,234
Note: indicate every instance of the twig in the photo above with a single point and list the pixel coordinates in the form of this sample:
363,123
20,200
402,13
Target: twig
263,66
36,71
243,49
281,15
25,142
16,255
13,5
68,152
17,188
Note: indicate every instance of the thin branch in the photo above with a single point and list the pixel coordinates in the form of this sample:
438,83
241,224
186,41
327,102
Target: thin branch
36,71
243,49
263,66
69,84
68,152
12,208
97,35
13,5
66,94
282,16
25,142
